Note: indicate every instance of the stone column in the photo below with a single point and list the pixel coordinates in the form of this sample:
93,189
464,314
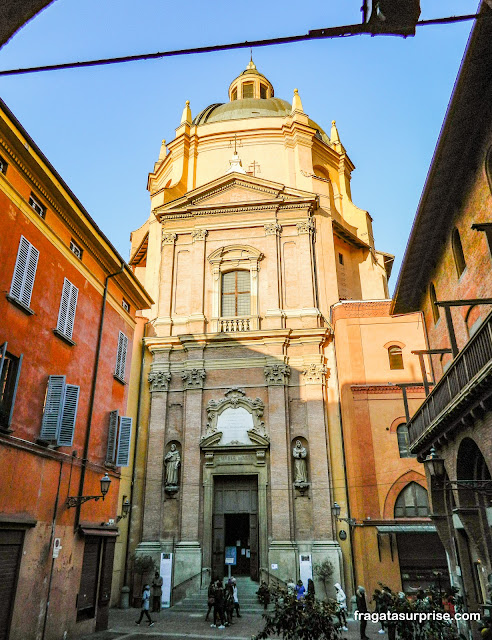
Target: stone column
166,280
154,481
274,314
314,378
197,318
277,376
190,485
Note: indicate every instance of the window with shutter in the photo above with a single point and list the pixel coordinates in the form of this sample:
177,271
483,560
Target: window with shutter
112,433
412,502
119,371
123,455
395,357
68,305
24,272
68,416
403,441
60,412
10,367
236,293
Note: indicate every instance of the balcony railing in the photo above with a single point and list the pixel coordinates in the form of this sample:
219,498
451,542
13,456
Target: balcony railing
231,325
474,359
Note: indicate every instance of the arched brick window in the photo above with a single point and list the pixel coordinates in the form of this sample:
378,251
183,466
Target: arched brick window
459,256
395,357
412,502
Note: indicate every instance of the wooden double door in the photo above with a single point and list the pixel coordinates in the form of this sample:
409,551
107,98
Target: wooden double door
235,524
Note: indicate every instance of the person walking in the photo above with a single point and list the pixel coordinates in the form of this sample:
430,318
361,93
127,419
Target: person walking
310,591
145,606
219,605
210,597
156,592
264,594
300,590
236,597
229,602
341,606
360,596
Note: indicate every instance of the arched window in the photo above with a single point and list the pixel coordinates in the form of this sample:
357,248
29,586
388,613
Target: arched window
403,441
236,294
412,502
433,300
459,256
395,357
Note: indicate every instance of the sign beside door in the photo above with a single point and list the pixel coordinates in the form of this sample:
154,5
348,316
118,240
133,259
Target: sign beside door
166,575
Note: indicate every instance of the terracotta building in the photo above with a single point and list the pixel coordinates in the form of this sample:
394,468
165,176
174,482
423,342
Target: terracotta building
68,321
252,238
447,274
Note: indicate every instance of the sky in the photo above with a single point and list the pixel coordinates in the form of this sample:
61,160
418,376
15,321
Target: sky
102,127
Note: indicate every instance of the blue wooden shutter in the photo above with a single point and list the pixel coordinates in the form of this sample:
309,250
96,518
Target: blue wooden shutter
69,415
14,392
112,431
68,304
53,408
24,272
121,356
123,455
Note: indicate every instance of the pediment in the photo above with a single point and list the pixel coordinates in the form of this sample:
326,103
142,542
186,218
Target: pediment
233,190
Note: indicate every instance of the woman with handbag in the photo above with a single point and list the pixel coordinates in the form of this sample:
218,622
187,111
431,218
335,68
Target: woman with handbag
211,598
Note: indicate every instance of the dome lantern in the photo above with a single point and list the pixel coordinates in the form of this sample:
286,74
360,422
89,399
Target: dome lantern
250,84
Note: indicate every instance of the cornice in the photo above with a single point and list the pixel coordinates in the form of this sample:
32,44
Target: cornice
379,389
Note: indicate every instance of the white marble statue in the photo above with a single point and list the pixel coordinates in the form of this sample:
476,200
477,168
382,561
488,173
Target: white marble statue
300,466
172,461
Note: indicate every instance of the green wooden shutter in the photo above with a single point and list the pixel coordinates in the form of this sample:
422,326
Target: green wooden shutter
123,455
53,408
68,305
69,415
112,431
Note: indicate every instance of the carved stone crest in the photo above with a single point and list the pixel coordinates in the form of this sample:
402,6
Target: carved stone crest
277,374
193,378
159,380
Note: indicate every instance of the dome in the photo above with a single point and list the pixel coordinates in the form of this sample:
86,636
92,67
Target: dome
252,108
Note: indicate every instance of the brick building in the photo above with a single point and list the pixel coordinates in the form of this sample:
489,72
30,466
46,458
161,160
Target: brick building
67,326
447,274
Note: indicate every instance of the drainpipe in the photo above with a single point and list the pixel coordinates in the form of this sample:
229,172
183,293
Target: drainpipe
126,575
93,392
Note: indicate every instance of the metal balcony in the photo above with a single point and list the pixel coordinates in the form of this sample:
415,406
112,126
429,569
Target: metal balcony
465,384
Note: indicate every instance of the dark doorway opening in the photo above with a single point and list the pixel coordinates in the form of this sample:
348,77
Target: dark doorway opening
237,535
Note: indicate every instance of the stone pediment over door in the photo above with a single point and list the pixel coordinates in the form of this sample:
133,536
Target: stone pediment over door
235,425
235,190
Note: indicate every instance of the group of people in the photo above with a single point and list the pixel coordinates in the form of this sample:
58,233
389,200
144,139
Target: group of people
223,600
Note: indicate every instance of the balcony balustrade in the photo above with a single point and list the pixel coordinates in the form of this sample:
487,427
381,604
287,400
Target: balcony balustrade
238,323
468,374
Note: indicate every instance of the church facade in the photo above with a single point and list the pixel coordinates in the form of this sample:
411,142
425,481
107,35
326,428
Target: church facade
252,238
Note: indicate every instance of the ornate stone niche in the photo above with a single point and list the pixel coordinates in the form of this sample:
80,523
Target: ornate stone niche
235,423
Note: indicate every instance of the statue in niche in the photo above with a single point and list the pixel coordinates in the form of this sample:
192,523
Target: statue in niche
300,466
172,461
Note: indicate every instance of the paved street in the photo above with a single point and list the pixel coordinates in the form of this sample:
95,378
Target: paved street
171,624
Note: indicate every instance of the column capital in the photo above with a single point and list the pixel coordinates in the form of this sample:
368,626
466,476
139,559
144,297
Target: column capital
315,373
306,226
199,235
159,380
193,378
272,229
168,237
277,374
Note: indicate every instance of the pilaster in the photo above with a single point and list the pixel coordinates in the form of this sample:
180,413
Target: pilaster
197,318
166,278
274,317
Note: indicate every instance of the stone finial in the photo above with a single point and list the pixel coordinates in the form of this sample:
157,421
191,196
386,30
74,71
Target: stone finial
334,137
163,151
186,117
235,164
296,102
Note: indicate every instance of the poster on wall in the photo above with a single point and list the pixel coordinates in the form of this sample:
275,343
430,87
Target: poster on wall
166,575
305,568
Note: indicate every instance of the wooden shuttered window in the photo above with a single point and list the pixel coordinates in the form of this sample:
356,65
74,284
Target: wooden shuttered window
112,434
119,439
24,272
123,455
68,305
10,368
60,411
86,601
119,371
11,542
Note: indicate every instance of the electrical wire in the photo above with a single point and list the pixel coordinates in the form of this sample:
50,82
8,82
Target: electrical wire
315,34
